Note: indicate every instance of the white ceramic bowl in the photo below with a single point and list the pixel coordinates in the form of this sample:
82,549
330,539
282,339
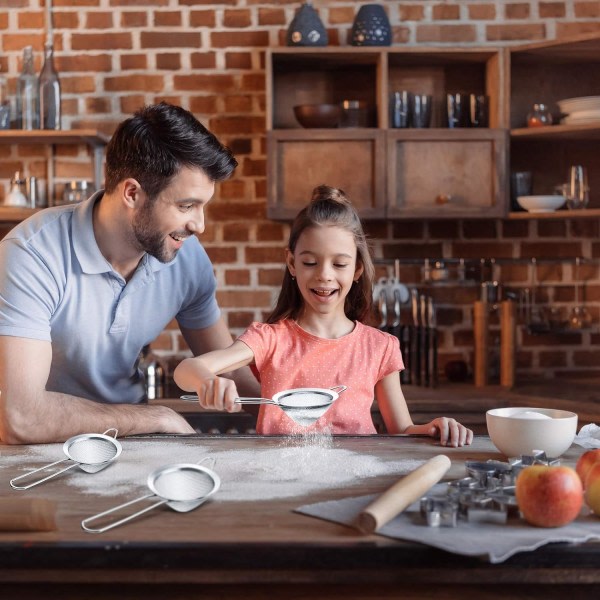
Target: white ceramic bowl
520,430
537,204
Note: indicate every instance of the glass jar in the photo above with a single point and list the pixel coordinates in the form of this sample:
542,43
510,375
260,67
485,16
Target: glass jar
355,113
76,191
539,116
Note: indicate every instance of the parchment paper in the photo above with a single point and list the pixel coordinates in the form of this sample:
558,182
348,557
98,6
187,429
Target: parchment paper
493,541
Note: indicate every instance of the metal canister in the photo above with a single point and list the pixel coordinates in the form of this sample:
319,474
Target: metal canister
31,191
154,374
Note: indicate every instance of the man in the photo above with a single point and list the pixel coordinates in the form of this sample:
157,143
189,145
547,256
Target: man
83,288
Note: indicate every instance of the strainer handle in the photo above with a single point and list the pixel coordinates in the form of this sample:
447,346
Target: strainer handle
52,475
254,401
339,388
85,522
189,397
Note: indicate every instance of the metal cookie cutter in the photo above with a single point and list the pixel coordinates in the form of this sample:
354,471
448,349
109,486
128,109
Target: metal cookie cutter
491,473
439,511
182,487
538,457
487,494
91,452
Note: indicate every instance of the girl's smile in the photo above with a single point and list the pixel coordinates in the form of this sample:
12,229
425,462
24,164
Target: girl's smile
324,265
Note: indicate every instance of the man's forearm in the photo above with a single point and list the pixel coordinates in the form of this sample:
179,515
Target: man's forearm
55,417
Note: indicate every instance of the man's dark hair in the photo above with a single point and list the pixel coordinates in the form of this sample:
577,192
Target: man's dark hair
154,144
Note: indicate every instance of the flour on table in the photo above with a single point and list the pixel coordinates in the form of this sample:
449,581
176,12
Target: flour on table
298,466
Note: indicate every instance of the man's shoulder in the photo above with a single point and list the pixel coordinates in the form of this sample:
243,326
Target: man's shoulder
47,225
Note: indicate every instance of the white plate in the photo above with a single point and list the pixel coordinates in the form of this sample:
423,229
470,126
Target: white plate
541,204
571,105
580,119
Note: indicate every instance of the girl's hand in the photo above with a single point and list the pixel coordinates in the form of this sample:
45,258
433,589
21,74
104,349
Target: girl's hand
218,393
450,432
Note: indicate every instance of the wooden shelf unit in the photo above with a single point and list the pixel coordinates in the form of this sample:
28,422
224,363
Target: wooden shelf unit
513,78
374,164
547,73
92,138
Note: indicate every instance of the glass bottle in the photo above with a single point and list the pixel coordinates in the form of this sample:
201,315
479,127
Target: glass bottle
27,94
49,88
4,104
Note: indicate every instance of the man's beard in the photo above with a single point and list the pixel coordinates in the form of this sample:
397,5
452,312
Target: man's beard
149,238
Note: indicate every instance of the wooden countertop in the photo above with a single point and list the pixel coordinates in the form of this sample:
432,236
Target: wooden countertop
257,548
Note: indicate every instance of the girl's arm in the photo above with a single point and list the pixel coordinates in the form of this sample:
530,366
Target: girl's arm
396,416
200,374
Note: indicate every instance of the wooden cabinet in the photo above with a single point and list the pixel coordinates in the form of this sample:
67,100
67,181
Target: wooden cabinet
438,174
547,73
386,172
351,159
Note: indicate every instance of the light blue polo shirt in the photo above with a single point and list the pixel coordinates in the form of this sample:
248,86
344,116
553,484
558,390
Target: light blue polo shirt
56,285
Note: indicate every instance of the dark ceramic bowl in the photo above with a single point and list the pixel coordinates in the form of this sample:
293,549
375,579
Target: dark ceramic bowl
318,116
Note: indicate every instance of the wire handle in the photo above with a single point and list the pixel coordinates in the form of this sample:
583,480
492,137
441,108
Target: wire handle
339,388
38,481
189,397
85,522
255,401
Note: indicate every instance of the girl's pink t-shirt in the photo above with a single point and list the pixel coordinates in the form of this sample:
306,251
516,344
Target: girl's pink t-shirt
287,357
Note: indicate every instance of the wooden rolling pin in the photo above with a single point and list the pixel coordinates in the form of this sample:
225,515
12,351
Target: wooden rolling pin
27,514
402,494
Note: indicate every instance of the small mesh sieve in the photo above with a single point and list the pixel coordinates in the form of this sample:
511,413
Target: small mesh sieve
302,405
182,487
91,452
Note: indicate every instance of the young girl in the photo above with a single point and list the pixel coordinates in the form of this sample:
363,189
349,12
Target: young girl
316,336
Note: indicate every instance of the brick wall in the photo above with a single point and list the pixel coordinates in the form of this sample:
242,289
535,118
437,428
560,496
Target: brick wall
115,55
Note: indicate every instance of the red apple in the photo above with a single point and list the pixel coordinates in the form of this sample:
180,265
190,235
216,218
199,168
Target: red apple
549,496
592,488
586,460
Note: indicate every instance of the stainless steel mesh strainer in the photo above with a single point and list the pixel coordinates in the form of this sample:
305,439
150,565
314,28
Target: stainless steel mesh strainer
91,452
182,487
303,405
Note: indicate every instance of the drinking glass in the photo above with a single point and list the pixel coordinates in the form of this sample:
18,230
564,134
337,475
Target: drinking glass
457,110
578,191
400,108
420,110
521,184
478,110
